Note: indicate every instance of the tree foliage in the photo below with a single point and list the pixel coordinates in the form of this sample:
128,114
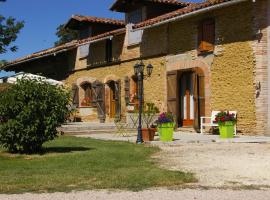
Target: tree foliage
9,30
65,35
30,112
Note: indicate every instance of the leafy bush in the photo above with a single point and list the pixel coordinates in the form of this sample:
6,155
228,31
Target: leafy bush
30,112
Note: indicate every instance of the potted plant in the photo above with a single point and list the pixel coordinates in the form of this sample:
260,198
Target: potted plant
148,114
226,123
166,126
86,102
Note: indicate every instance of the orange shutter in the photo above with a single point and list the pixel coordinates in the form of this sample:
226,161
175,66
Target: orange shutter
172,92
207,36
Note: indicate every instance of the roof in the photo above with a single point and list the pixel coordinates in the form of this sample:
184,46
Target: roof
74,44
182,11
117,4
65,47
103,35
92,19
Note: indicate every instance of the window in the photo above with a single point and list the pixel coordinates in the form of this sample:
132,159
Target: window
109,50
134,16
87,97
85,33
206,34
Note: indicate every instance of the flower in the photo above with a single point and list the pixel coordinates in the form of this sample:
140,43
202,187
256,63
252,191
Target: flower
223,117
165,118
86,101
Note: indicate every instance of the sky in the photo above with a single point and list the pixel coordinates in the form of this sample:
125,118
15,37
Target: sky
42,17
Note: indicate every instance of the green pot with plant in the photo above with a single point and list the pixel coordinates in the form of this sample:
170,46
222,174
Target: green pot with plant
226,122
166,126
149,113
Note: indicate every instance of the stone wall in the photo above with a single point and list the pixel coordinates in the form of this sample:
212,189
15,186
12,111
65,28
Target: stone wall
229,71
262,74
233,69
236,73
154,86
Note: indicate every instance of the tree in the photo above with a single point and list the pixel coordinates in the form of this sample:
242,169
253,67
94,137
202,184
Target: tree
9,29
2,62
65,35
30,112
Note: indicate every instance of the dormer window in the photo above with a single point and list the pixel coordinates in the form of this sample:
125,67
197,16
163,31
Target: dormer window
85,33
140,10
134,16
206,36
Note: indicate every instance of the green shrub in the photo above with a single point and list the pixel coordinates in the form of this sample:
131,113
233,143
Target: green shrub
30,112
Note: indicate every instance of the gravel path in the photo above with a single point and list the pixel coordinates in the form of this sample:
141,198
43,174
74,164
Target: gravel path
221,164
161,194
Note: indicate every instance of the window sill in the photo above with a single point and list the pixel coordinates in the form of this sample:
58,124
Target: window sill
205,53
86,107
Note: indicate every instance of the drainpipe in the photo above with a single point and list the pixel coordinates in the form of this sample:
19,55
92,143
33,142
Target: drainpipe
268,63
194,13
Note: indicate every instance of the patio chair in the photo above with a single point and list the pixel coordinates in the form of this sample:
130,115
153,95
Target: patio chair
211,120
121,128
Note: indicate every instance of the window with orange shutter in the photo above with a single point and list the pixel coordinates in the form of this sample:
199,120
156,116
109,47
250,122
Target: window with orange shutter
206,35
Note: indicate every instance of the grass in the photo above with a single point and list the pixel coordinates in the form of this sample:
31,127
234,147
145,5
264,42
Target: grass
70,163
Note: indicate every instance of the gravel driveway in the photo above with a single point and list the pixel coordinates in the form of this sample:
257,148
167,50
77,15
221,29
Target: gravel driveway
221,164
161,194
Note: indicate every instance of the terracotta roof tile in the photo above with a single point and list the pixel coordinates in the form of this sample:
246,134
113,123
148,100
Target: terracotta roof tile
67,46
98,20
171,2
189,9
100,36
52,50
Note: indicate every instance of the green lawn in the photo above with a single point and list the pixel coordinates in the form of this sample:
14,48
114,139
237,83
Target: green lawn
71,163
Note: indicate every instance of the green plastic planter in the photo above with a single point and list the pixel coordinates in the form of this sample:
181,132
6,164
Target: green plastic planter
226,130
165,132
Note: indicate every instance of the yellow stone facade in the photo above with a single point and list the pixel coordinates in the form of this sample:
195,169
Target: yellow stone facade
230,71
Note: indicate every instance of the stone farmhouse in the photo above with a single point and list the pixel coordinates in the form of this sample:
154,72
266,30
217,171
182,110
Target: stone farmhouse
206,56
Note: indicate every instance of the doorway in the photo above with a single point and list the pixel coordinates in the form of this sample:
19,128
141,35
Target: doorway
186,99
112,97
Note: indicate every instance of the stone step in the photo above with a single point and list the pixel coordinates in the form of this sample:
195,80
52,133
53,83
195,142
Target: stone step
87,127
89,132
186,130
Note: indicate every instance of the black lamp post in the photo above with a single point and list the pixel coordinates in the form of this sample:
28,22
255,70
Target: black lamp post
139,72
